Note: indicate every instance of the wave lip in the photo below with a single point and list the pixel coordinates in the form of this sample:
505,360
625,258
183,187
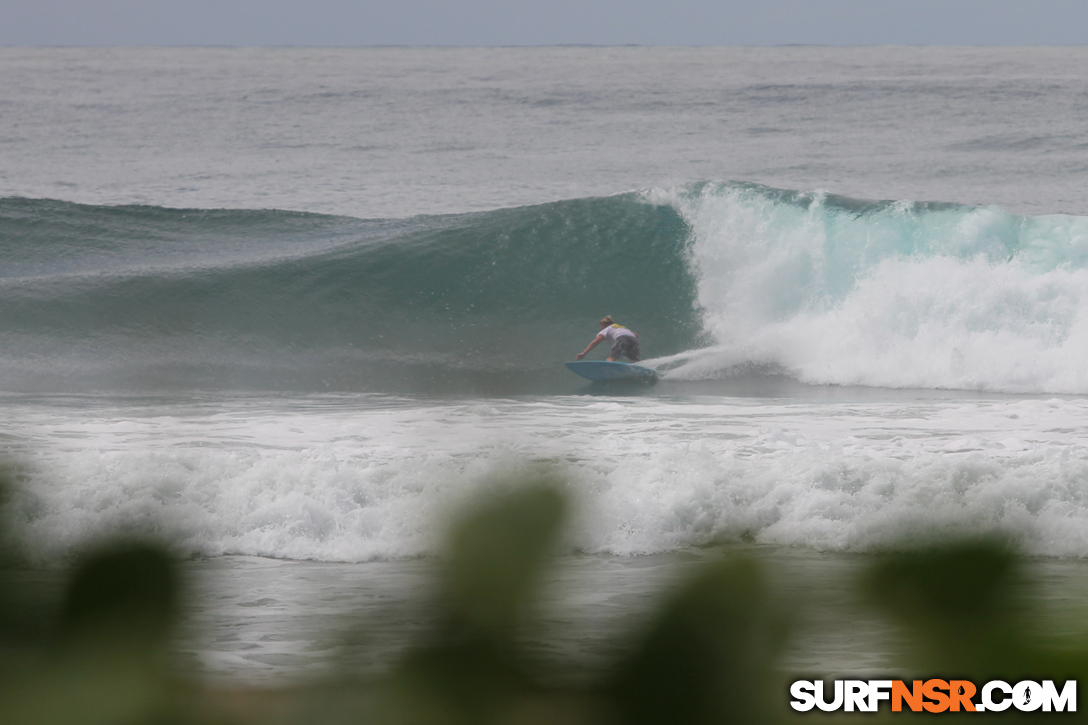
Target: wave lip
889,294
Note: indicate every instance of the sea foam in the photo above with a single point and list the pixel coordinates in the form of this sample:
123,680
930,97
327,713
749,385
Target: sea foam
890,294
345,478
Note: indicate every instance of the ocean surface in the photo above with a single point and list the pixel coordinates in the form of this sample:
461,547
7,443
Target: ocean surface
289,308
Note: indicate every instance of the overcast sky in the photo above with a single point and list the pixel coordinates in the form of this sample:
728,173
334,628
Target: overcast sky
544,22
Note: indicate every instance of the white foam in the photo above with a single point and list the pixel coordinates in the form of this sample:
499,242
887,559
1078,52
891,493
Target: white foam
894,297
353,479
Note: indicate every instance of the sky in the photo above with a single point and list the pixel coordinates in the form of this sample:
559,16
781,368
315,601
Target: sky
543,22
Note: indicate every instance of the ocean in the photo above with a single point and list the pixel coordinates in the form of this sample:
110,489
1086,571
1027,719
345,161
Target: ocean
289,308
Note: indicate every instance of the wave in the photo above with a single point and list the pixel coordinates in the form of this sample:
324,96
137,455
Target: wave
152,296
832,290
355,477
718,279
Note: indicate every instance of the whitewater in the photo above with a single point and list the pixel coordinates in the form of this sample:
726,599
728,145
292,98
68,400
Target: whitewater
288,309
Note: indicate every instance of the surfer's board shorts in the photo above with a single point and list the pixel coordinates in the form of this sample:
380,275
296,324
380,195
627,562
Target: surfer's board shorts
625,345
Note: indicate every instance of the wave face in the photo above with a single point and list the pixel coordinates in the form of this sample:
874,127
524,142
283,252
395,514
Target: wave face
160,298
832,290
718,279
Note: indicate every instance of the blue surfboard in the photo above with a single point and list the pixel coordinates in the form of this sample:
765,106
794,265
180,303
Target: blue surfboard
598,370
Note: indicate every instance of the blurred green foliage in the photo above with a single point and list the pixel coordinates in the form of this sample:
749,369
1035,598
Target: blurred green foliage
968,607
710,654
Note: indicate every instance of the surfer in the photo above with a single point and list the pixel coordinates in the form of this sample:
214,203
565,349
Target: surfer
624,341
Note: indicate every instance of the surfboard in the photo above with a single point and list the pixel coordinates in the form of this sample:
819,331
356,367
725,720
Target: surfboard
598,370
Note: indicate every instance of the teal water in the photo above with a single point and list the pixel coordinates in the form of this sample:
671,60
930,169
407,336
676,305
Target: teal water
717,278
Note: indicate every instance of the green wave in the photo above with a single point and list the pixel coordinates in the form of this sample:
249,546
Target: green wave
509,290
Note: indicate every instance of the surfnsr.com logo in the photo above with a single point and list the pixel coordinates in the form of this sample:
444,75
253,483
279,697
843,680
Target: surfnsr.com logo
934,696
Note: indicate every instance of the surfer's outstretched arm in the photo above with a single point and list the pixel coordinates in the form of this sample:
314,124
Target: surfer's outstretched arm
590,346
